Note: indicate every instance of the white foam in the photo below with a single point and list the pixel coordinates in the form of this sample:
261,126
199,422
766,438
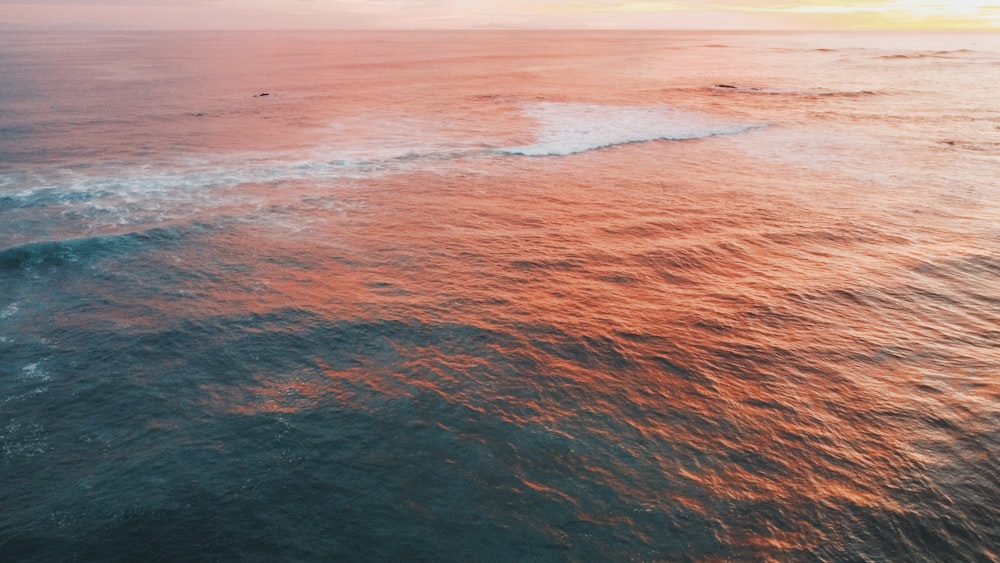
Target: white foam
9,311
568,128
22,440
190,177
22,396
358,147
32,371
112,194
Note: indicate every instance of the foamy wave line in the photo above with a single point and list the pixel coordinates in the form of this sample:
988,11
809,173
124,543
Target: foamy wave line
570,128
563,129
567,148
193,176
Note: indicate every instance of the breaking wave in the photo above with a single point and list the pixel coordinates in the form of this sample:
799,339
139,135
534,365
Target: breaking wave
569,128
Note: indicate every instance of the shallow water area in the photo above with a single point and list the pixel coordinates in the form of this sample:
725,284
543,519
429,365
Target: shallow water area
499,296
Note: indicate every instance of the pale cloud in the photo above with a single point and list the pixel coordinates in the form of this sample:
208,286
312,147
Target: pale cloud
815,13
94,3
406,14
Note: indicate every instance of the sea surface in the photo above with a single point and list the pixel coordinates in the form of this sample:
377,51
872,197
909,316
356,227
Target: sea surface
499,296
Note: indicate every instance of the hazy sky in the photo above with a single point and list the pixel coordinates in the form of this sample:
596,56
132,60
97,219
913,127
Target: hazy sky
406,14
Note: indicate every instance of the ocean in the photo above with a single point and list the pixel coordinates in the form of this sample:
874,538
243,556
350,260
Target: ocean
499,296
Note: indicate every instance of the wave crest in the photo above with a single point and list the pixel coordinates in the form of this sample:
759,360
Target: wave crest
569,128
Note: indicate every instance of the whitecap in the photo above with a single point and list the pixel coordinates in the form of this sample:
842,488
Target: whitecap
32,371
569,128
9,311
19,439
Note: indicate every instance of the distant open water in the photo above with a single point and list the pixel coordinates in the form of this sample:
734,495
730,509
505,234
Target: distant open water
505,296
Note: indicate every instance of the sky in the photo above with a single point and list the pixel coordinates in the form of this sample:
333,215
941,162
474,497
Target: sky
474,14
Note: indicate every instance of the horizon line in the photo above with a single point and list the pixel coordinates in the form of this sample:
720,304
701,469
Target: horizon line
91,28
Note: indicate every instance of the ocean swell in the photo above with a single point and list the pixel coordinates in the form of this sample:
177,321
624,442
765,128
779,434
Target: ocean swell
61,252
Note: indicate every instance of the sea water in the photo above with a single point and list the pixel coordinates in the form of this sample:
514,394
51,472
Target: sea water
499,296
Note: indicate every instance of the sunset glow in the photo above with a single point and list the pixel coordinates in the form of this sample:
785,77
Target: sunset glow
534,14
502,280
